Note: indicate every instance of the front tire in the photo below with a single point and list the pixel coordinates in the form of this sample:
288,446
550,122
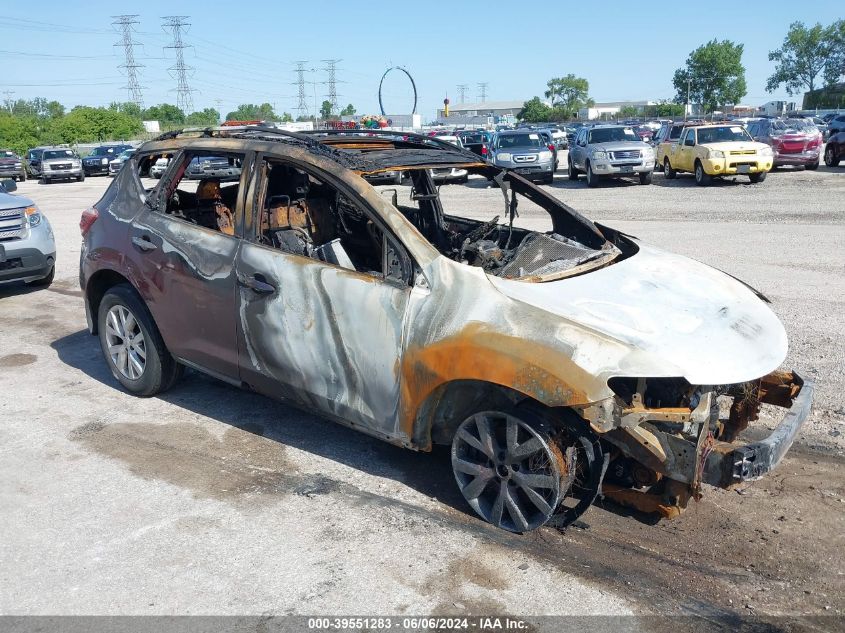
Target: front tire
758,177
812,166
646,177
592,179
670,173
702,178
571,171
132,345
830,157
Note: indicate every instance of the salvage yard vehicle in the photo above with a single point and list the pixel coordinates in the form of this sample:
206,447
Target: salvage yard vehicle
793,141
834,150
710,151
116,163
60,163
558,365
11,165
97,162
27,245
610,151
524,152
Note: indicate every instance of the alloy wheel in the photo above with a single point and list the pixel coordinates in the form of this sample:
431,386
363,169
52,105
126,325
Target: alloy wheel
509,472
127,346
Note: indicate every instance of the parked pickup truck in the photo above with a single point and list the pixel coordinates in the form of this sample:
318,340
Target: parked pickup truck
710,151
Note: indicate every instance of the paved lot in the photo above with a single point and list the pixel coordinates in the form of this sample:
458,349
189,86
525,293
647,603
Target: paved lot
213,500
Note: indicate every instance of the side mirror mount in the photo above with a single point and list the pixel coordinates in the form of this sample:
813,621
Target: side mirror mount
689,142
8,185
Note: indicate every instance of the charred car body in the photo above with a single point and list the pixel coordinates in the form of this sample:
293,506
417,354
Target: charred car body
558,365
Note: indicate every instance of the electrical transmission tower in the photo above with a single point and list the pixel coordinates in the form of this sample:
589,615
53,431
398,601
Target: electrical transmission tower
133,88
331,67
462,91
302,105
175,23
482,89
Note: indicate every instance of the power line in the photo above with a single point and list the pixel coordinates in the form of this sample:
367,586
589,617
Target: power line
176,23
133,88
482,90
331,69
302,103
462,91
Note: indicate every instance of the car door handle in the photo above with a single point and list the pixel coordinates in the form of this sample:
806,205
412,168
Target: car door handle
257,283
144,243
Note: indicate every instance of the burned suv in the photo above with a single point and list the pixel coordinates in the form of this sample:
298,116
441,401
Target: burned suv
558,365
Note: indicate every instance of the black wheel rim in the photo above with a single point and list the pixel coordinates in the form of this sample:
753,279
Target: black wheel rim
508,472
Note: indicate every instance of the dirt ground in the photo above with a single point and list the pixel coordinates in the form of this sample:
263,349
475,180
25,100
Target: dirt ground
217,501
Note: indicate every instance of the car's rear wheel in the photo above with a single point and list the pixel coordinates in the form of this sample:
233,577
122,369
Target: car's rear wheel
667,169
645,178
132,344
592,179
758,177
570,170
812,166
702,178
830,156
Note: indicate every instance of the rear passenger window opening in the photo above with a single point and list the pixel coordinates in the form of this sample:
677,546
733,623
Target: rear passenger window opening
204,190
302,214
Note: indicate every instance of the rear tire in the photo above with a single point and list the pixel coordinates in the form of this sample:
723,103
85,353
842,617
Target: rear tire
702,179
571,171
132,345
646,177
670,173
758,177
812,166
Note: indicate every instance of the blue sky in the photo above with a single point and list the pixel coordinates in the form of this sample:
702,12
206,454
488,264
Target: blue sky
243,53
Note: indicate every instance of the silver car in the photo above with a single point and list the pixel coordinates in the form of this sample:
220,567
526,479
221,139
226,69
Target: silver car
60,163
610,151
27,245
524,152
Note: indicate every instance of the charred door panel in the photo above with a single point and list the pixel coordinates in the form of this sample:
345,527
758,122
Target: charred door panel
190,288
328,337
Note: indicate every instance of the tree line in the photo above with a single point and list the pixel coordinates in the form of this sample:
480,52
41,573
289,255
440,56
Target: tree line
29,123
810,59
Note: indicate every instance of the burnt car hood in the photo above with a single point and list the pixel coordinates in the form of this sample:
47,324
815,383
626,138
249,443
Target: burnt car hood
678,316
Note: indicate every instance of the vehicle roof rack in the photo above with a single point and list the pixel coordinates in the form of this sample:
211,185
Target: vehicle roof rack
234,130
422,138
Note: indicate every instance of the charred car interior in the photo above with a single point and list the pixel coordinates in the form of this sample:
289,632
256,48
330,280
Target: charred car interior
558,365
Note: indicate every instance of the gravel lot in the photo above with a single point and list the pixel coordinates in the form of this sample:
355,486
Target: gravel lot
215,501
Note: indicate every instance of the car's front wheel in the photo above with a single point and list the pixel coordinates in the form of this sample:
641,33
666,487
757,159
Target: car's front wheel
669,172
571,171
592,179
758,177
812,166
646,177
132,345
702,178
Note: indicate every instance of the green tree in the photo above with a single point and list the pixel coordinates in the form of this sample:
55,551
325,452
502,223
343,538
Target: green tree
130,108
569,93
326,109
286,117
629,111
664,109
19,133
713,75
206,118
348,110
83,124
534,111
805,54
304,117
165,113
253,112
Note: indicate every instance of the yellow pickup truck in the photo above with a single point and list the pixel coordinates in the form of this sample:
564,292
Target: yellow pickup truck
716,150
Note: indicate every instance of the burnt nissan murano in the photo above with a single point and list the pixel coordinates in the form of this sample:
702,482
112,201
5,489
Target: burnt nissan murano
559,365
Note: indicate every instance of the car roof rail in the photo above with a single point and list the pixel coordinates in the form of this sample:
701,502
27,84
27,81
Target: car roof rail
422,138
232,130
